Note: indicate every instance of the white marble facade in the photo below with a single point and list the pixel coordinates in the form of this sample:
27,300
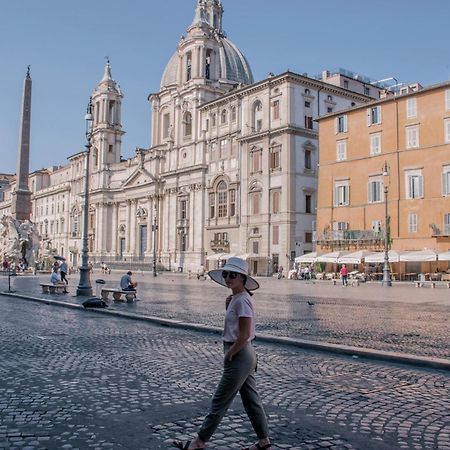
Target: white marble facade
232,166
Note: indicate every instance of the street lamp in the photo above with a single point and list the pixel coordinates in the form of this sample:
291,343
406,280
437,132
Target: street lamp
154,229
84,287
386,269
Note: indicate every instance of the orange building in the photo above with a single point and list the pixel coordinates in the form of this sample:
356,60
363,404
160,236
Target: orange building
400,147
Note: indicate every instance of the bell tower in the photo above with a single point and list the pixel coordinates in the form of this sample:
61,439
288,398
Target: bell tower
107,127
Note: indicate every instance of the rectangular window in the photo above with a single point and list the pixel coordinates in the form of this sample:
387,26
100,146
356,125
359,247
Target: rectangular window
374,115
341,124
276,109
275,157
447,223
232,202
307,104
341,150
376,226
213,151
256,161
414,184
255,203
375,190
233,114
345,84
212,206
366,90
446,181
412,137
308,204
447,131
166,125
412,223
309,122
411,108
183,209
223,148
110,148
308,161
341,194
275,235
375,144
447,100
275,202
308,237
255,247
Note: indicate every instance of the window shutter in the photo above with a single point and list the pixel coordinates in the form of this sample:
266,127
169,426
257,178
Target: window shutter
370,191
369,121
345,124
420,180
445,183
379,114
447,100
336,196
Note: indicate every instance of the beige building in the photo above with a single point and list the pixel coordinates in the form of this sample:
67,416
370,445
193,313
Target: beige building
409,135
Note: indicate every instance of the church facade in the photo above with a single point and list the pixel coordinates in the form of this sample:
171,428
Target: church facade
231,169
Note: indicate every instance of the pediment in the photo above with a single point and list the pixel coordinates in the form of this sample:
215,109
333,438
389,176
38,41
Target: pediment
139,177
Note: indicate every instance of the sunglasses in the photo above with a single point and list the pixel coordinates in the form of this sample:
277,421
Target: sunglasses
230,275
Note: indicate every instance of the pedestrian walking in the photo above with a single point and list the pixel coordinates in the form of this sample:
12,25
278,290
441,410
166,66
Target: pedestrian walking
240,361
344,275
63,272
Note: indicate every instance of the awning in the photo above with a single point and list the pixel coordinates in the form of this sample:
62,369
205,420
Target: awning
246,256
308,258
445,256
355,257
332,257
419,256
393,256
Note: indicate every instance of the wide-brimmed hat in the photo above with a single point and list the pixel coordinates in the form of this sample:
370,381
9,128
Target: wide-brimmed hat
237,265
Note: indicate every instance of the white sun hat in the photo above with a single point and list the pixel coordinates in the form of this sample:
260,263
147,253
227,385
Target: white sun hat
237,265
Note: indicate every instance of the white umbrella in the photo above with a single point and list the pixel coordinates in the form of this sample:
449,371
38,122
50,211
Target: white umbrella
308,258
215,257
378,257
355,257
445,256
332,257
246,256
419,256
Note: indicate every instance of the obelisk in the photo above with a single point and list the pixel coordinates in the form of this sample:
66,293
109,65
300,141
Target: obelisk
21,199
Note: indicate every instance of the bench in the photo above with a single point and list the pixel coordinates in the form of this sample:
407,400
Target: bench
424,283
117,294
53,288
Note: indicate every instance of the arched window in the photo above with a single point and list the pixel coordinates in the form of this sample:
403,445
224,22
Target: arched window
187,124
233,114
188,66
213,120
223,116
257,116
222,199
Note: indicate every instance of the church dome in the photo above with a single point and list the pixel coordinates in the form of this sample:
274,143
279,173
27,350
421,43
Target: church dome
233,65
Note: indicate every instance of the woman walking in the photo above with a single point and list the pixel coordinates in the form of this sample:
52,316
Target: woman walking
239,362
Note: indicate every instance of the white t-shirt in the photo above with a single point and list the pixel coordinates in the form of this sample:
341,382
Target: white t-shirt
240,306
55,278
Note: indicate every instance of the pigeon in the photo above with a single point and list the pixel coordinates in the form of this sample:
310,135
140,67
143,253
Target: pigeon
311,303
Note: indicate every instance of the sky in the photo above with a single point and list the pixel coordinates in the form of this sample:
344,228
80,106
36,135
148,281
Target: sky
66,42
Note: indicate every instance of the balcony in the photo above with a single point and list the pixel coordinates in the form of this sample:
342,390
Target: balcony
350,239
437,232
220,246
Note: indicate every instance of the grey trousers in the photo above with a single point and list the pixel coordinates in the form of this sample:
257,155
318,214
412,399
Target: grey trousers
238,376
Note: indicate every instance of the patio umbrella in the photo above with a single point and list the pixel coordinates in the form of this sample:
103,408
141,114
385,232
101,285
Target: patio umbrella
308,258
378,257
419,256
445,256
59,258
332,257
355,257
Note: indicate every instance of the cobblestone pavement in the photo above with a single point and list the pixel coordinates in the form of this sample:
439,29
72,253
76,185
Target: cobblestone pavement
74,379
401,319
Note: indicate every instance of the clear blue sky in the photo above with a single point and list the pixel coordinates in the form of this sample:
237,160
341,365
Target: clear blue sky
66,42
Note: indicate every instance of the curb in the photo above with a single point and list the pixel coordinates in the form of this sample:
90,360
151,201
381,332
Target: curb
380,355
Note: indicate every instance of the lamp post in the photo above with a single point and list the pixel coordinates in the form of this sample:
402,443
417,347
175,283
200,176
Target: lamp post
386,269
154,229
84,286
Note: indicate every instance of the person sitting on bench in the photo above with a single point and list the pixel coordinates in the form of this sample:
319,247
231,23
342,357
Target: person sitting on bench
126,283
55,278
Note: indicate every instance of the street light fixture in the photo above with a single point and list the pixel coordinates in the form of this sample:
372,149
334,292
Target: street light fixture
386,269
84,287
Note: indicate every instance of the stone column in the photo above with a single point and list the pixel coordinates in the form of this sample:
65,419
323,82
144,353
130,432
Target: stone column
114,229
133,229
128,227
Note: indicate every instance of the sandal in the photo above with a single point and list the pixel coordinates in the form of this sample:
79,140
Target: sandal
181,446
259,447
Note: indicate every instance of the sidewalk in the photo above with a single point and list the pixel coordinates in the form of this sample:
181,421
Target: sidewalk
367,320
